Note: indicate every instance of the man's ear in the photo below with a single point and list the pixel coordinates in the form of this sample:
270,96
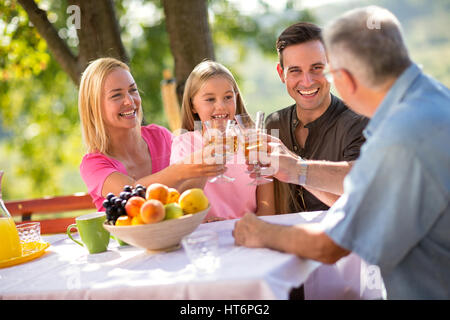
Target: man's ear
349,81
280,72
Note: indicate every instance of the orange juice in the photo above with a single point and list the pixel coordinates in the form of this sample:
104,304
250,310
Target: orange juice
9,239
251,149
231,141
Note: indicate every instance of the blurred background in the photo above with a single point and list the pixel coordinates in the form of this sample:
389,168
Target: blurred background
40,135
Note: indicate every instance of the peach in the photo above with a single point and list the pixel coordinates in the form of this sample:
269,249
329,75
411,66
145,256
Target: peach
152,211
157,191
173,195
133,206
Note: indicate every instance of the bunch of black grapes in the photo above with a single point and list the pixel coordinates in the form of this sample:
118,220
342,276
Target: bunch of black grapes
115,205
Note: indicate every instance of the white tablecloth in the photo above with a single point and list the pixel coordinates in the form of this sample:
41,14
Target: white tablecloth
67,271
351,278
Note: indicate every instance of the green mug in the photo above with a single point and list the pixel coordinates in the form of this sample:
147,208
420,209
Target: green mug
93,235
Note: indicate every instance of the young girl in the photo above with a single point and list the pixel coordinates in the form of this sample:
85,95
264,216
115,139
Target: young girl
121,151
211,92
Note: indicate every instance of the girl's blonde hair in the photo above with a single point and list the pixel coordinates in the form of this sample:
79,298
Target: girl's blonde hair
89,103
204,71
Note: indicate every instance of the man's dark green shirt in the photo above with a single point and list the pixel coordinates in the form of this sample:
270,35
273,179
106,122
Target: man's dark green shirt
335,136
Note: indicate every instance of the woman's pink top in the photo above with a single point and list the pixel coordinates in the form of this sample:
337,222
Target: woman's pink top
96,167
228,200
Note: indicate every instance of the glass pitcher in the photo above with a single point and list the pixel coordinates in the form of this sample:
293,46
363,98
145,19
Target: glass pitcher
10,246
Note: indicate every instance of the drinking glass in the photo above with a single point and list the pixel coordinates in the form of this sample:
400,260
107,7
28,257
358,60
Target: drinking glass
29,235
202,249
221,133
250,136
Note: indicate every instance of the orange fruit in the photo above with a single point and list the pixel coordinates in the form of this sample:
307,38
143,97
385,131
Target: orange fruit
152,211
157,191
173,195
136,220
133,206
123,221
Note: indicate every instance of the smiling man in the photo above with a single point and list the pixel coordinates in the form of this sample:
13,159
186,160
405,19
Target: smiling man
318,126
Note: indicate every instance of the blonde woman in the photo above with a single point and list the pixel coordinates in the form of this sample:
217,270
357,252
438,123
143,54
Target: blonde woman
211,92
119,150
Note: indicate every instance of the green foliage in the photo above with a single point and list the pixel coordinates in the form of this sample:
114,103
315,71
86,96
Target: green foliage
425,29
232,28
38,109
23,53
42,115
149,59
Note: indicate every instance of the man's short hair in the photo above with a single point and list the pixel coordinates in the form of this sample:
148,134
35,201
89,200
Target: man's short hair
369,43
295,34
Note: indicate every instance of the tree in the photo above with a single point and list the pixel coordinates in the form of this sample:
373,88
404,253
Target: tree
98,34
190,37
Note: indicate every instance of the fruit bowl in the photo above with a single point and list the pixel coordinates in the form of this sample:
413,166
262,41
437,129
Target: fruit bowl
161,236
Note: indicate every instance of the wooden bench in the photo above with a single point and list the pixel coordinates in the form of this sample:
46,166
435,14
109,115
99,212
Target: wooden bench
36,207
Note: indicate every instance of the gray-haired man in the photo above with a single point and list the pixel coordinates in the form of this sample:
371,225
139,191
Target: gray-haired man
395,210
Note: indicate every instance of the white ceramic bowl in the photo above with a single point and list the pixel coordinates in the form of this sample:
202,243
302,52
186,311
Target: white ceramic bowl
161,236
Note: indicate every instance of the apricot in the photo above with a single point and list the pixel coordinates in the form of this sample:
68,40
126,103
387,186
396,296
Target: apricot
152,211
133,206
173,195
136,220
157,191
123,221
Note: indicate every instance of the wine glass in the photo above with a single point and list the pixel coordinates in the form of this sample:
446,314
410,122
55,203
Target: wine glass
221,133
250,133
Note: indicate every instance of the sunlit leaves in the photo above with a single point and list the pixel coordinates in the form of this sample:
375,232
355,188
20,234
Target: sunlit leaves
23,53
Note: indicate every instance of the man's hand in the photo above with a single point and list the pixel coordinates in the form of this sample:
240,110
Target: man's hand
304,240
213,219
249,231
279,161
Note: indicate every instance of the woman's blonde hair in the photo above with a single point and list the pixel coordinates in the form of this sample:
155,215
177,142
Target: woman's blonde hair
204,71
89,103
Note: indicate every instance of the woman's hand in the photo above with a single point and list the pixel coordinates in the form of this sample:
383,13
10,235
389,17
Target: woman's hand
201,163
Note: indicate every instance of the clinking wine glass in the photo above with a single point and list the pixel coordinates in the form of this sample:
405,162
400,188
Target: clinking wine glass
222,135
250,134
